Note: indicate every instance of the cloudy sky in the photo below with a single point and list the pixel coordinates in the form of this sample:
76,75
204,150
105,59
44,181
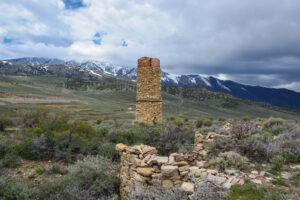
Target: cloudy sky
250,41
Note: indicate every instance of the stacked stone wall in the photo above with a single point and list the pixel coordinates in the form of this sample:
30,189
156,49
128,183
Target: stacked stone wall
141,166
148,98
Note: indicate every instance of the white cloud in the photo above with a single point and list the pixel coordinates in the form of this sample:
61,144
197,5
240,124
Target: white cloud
247,41
292,86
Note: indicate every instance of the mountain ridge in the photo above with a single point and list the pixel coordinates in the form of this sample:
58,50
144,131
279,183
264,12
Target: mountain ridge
94,70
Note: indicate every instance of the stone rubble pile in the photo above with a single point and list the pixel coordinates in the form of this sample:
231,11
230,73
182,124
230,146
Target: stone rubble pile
141,166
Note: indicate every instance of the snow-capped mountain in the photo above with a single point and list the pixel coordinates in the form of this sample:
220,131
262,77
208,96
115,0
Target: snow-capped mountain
93,70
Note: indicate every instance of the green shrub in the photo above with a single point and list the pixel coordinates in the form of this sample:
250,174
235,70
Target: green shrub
171,118
31,176
11,189
4,149
10,160
207,122
90,178
279,181
57,169
131,137
246,118
8,157
222,119
178,122
79,139
103,118
273,121
40,171
273,171
186,118
170,138
39,148
250,191
295,180
4,122
211,118
277,162
230,160
35,118
199,122
109,151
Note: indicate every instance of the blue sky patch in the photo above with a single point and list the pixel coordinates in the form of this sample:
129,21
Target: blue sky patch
73,4
124,43
98,38
8,41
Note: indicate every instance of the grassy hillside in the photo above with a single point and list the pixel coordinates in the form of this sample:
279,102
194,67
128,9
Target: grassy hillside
112,98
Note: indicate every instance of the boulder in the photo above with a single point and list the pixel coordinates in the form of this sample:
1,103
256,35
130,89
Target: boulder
187,187
148,150
169,170
121,147
286,175
167,183
203,164
144,171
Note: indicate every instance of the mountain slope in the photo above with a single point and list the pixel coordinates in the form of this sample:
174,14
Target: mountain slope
116,98
96,70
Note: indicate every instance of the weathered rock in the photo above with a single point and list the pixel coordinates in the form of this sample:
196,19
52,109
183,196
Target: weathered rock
148,150
121,147
137,162
169,170
212,171
194,171
162,160
144,171
252,176
295,166
203,164
241,182
230,171
203,153
219,180
167,183
262,173
156,176
254,172
252,165
180,164
133,150
147,158
234,180
256,181
139,178
184,168
227,184
178,157
187,187
286,175
184,173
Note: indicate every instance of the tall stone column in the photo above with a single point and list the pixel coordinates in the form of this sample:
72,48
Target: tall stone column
148,97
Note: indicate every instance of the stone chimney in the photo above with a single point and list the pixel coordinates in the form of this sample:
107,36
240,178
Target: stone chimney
148,98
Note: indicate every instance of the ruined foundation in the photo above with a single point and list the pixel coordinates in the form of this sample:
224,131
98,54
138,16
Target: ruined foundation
142,168
148,98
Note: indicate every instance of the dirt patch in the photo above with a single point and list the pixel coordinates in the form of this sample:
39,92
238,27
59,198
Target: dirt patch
6,95
28,172
36,100
58,106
